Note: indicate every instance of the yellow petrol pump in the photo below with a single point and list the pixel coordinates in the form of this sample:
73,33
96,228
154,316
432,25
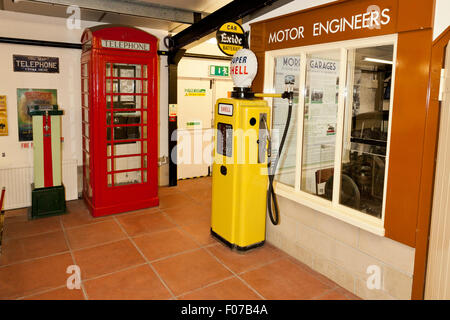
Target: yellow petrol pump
242,175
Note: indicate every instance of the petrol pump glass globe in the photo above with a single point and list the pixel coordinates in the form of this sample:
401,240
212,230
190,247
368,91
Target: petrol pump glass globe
244,67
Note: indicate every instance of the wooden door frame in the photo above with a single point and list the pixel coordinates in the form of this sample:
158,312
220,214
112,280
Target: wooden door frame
428,166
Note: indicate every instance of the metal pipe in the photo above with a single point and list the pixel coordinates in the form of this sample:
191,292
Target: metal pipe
41,43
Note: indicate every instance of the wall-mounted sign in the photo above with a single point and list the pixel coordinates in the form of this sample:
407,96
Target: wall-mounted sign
195,92
35,64
3,117
26,99
219,71
126,45
336,22
197,124
230,38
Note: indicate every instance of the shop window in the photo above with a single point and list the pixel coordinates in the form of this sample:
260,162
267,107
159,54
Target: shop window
366,126
320,120
343,98
287,71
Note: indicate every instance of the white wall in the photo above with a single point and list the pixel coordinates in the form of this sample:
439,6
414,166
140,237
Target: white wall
67,82
442,17
293,6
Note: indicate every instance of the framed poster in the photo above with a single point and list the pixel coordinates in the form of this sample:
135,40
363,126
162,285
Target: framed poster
3,117
27,98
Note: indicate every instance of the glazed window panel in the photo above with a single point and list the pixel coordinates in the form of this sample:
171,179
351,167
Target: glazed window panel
369,78
320,122
287,74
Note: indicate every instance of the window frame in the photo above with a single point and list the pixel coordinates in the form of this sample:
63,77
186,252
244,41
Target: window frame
332,208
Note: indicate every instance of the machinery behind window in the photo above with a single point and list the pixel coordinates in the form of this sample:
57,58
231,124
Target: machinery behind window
365,143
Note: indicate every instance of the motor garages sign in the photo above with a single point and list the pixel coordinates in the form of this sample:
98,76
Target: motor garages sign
35,64
230,38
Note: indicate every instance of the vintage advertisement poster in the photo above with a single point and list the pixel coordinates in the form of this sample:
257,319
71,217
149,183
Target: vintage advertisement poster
287,71
321,105
3,117
27,98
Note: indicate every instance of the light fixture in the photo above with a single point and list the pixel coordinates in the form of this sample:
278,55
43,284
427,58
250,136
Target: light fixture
378,60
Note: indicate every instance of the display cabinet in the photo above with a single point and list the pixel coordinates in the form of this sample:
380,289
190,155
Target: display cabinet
119,72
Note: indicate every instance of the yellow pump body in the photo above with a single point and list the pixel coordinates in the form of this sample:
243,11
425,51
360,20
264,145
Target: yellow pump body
239,180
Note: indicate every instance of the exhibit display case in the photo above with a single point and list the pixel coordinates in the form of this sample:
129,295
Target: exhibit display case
119,71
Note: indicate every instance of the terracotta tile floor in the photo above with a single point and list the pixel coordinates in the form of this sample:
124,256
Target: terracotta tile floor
158,253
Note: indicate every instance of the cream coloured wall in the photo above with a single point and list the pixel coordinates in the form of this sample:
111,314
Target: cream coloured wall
442,17
67,82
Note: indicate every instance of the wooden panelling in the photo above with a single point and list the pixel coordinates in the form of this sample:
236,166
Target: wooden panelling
415,14
428,167
407,135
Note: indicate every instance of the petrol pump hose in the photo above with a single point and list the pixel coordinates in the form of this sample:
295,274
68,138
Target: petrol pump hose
271,196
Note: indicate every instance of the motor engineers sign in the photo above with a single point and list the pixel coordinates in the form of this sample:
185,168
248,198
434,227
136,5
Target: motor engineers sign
35,64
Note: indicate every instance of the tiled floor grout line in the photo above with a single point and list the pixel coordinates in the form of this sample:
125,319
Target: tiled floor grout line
206,286
323,294
180,227
33,259
114,272
40,292
145,258
86,297
218,260
236,275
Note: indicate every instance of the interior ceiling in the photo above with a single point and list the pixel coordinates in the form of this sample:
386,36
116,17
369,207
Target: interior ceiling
58,9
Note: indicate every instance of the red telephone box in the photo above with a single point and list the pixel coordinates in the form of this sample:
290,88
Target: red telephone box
119,84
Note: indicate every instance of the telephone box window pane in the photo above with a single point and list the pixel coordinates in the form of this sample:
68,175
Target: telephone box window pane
145,87
127,178
86,130
287,73
108,86
85,85
86,100
130,86
110,184
108,70
144,132
145,72
145,105
145,176
127,70
125,133
124,117
144,150
319,123
84,70
124,149
144,117
366,128
127,163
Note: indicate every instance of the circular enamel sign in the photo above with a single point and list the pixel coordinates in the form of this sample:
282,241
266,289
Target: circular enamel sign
230,38
244,67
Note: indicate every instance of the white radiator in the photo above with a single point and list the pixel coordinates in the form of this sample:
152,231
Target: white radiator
18,184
